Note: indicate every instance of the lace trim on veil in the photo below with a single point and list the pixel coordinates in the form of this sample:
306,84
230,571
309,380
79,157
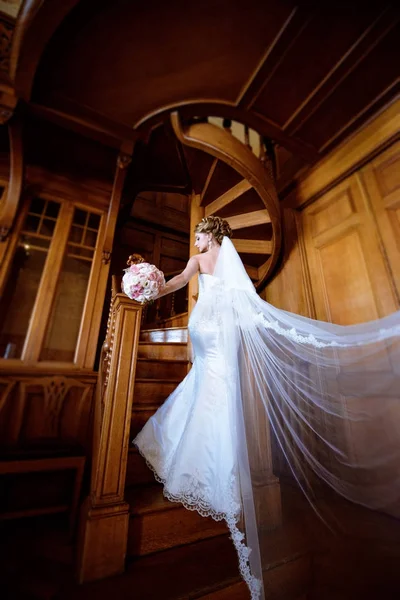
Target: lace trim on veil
196,503
310,339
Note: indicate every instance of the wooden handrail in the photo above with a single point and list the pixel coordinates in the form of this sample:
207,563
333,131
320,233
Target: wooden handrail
104,523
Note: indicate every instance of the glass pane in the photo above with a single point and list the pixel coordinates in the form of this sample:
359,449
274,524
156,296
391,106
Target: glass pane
90,238
80,217
66,314
47,227
27,241
78,251
94,221
52,209
37,206
31,223
18,299
76,235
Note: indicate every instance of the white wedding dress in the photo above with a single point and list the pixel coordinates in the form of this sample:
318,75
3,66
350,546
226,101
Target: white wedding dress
320,391
190,442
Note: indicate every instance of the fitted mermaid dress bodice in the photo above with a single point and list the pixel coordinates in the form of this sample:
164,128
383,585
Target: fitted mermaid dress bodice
189,441
205,320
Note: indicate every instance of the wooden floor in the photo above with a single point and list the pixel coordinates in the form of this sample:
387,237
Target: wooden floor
305,562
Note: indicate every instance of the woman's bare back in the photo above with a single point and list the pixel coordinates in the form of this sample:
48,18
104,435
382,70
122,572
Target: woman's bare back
207,261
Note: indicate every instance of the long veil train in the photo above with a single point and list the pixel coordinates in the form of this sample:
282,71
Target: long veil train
328,394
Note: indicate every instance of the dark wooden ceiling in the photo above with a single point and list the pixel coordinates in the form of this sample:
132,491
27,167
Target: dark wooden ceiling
306,75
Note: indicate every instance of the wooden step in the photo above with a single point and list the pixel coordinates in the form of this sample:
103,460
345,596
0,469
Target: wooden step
180,320
169,334
153,391
182,573
160,350
158,524
148,396
151,368
140,418
206,570
137,472
237,591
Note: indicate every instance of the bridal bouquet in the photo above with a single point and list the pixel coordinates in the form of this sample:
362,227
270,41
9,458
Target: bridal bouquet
142,281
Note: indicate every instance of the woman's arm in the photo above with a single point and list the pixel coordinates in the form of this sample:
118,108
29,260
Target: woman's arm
179,281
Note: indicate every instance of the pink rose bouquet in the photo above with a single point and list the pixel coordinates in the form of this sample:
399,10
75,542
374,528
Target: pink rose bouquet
142,282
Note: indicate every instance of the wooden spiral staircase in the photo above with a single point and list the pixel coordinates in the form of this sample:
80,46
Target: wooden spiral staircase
239,187
237,183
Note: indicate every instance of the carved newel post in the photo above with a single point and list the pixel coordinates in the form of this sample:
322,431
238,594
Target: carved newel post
104,522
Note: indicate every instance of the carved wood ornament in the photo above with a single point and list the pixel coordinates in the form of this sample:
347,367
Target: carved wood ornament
9,204
104,530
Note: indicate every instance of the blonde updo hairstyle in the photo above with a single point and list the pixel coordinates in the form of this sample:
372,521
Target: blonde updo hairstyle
215,225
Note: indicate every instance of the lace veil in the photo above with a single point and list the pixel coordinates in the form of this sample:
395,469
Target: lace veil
327,396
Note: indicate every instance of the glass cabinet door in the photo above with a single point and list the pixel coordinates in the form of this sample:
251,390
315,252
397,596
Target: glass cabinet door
68,303
45,290
18,297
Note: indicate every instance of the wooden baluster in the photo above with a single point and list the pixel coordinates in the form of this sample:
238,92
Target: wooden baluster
173,312
145,311
103,531
158,309
227,125
262,155
247,136
269,157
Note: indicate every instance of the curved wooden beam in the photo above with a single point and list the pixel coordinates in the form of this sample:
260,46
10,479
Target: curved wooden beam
9,205
221,144
227,110
37,21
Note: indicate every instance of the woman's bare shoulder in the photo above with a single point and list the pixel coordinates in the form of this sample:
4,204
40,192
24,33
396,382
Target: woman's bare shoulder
195,259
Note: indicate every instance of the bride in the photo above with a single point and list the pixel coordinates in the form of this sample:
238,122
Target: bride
328,395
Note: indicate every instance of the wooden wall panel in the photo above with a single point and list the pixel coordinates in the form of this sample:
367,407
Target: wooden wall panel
341,262
349,277
48,409
381,184
290,288
165,209
168,251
